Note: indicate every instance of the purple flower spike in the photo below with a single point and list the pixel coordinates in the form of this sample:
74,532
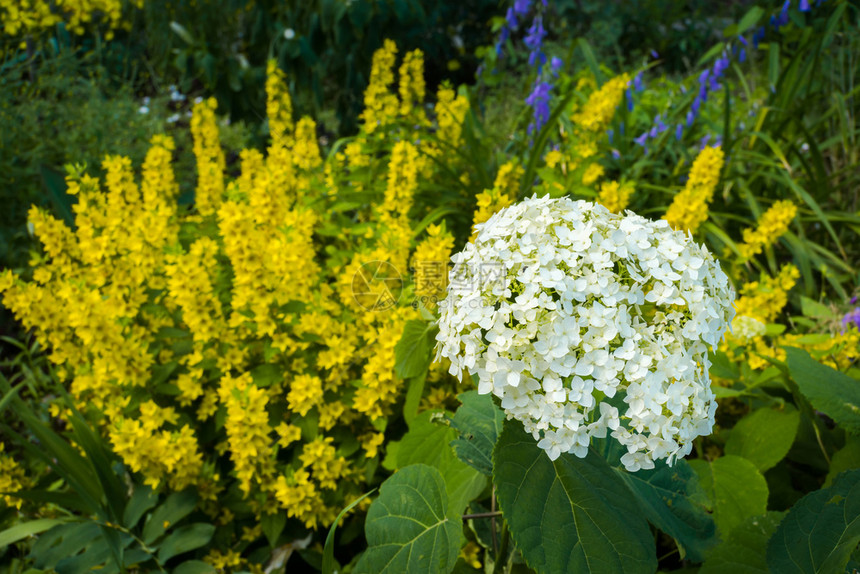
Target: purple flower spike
628,95
522,7
637,82
743,56
555,65
679,132
511,18
539,101
616,154
691,117
743,40
654,54
642,139
534,39
609,135
804,5
697,103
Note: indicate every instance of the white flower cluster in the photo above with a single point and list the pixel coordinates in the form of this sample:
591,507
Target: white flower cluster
585,322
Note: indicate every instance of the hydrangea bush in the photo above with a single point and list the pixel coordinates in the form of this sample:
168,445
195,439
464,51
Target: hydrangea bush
572,306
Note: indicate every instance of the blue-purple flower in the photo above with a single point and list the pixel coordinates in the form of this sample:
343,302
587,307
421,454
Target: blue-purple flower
538,100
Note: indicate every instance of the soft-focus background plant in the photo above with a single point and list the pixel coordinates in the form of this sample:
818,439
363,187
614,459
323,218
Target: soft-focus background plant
218,318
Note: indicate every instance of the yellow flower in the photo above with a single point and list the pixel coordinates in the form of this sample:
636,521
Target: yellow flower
279,106
305,393
772,225
451,110
380,105
210,157
501,195
430,262
411,86
689,209
615,196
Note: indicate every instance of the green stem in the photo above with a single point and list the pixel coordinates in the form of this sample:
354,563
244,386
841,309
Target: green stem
501,564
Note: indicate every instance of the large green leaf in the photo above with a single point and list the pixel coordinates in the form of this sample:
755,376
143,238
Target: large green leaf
410,527
846,458
764,437
429,442
177,506
570,515
736,488
413,352
479,422
820,532
743,552
835,394
672,498
141,500
184,539
26,529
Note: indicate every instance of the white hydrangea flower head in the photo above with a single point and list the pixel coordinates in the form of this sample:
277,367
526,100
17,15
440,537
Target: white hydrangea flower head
587,323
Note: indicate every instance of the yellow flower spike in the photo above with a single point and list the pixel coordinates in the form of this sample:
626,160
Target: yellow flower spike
12,479
380,104
412,86
305,393
689,209
771,226
279,106
615,196
210,157
451,110
190,284
598,111
501,195
247,426
430,262
593,172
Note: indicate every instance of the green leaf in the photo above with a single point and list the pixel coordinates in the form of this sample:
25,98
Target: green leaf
672,499
743,552
429,442
328,563
750,19
25,529
413,351
764,437
410,527
820,532
177,506
846,458
570,515
414,391
812,308
267,374
736,489
479,422
272,525
194,567
185,539
835,394
141,500
63,542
